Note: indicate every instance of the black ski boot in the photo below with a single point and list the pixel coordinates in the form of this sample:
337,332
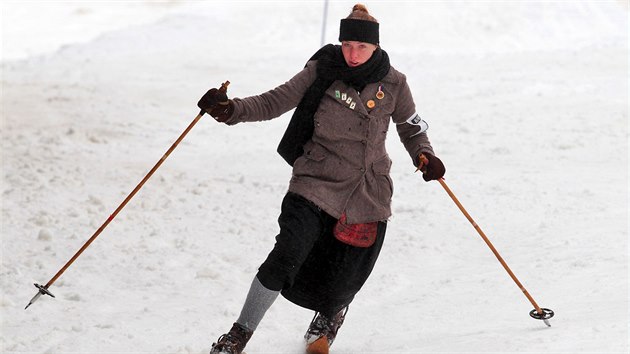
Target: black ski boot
322,332
232,342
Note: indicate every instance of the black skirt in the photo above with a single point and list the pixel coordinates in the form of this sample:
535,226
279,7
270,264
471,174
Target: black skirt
309,265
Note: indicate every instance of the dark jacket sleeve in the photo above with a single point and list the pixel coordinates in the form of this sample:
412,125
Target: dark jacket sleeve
276,102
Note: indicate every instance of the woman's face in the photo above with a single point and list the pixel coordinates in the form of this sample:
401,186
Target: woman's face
357,53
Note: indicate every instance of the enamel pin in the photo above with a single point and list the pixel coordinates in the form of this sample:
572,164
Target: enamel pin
380,94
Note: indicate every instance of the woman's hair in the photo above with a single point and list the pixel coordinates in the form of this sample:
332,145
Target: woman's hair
360,12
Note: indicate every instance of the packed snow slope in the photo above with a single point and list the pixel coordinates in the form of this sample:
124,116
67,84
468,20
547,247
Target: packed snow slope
528,108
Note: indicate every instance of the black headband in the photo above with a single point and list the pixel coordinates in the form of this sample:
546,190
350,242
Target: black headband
358,30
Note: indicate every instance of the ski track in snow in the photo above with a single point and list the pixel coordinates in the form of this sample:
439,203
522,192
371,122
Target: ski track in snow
528,107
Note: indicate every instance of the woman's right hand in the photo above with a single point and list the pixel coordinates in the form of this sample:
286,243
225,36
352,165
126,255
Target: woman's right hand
216,103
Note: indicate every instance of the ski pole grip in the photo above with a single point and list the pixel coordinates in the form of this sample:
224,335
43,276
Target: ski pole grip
223,88
422,161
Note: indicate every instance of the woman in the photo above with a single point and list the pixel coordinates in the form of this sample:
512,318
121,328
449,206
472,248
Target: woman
334,216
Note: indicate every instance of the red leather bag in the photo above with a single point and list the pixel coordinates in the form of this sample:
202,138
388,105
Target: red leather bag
358,235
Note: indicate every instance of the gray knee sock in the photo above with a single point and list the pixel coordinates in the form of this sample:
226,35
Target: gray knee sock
259,300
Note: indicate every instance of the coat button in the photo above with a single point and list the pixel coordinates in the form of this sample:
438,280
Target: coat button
362,169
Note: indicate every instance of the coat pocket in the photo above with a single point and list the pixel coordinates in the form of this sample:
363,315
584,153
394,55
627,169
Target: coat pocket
313,163
315,153
384,183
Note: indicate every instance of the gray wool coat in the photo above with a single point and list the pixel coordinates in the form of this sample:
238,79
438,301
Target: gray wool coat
345,167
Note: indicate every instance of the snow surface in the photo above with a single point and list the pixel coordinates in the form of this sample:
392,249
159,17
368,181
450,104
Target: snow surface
528,106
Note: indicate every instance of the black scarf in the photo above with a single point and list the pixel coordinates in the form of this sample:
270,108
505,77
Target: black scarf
331,66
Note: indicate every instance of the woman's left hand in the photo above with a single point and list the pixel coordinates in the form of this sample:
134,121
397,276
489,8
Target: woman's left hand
432,168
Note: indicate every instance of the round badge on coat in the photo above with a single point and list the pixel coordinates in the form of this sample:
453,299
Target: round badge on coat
370,104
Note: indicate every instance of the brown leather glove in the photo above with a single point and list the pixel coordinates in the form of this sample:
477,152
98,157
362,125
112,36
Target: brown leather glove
432,168
216,103
222,111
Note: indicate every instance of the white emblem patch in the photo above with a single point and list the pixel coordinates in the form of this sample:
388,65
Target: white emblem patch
416,120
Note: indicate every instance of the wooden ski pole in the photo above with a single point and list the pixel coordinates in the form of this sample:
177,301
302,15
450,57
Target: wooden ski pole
538,312
43,289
